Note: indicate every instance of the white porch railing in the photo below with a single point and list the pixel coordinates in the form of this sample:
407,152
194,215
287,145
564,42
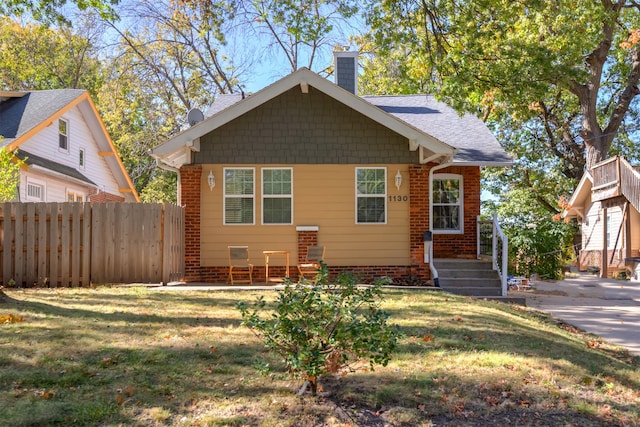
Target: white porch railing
493,243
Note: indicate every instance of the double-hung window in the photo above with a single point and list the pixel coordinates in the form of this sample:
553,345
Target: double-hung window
239,191
277,196
371,195
447,203
63,135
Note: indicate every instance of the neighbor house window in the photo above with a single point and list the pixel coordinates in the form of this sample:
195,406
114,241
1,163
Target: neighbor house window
609,245
35,191
81,158
277,196
447,203
75,196
63,134
371,195
239,190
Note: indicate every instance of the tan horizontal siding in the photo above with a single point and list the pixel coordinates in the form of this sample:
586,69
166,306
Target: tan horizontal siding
324,196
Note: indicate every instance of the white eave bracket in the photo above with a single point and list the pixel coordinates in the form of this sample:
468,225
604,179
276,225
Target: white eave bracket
193,145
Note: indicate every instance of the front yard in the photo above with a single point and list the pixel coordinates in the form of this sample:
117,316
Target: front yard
133,356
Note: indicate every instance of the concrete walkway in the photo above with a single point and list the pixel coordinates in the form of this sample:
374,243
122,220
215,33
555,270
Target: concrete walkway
605,307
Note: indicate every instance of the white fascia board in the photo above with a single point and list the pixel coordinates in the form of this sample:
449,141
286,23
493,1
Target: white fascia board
583,188
303,76
484,164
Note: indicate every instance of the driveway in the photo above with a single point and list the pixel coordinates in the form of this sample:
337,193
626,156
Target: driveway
605,307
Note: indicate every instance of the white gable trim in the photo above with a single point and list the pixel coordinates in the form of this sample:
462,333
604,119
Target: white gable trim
302,78
576,202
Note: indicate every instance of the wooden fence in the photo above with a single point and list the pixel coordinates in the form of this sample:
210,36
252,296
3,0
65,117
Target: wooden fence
76,244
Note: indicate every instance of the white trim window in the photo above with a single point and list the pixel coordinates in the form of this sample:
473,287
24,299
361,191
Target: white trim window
239,196
63,135
447,203
82,159
75,195
277,196
371,195
35,191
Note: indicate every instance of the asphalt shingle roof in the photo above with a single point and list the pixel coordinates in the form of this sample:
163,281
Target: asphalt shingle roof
467,133
33,160
19,115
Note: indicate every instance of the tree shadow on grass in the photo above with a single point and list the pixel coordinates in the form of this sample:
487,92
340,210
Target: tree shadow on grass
122,315
114,385
460,401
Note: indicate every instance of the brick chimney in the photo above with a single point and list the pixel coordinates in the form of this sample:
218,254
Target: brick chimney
346,70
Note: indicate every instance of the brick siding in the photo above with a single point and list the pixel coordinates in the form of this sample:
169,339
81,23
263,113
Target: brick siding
102,196
190,182
462,245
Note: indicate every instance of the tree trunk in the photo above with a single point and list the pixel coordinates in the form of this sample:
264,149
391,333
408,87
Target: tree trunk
594,154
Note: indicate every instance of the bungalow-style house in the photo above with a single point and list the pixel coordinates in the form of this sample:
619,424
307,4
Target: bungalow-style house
306,162
67,152
606,205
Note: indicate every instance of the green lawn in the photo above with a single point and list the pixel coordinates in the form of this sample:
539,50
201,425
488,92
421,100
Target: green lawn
131,356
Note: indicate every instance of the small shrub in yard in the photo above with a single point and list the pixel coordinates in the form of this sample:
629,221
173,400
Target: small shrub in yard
324,328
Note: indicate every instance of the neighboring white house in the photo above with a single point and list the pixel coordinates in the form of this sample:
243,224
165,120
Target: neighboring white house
606,205
67,150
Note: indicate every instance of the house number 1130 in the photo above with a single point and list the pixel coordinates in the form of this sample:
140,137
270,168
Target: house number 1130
398,198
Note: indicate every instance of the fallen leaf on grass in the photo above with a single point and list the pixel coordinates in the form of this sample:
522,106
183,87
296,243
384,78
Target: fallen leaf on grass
428,338
47,394
10,318
594,344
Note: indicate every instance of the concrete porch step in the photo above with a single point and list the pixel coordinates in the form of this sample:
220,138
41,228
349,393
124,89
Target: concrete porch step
468,277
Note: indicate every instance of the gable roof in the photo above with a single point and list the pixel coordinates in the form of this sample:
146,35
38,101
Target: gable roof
576,204
447,137
474,142
24,114
20,116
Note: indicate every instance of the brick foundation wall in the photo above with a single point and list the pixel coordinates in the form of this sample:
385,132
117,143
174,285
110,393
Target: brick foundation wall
401,273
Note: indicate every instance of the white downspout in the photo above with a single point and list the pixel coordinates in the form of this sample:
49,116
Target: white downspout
429,254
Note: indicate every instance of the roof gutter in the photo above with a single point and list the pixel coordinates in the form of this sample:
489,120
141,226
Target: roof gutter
50,172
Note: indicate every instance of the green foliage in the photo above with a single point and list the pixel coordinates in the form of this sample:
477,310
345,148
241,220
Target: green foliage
538,245
324,328
9,174
571,65
36,57
50,11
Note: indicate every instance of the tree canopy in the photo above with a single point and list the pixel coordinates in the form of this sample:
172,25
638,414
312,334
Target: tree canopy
573,66
9,174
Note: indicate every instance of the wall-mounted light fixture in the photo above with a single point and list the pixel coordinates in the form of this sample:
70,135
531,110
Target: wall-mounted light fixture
211,180
398,179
